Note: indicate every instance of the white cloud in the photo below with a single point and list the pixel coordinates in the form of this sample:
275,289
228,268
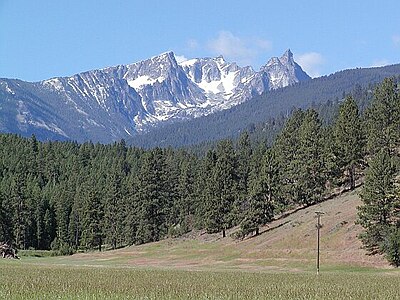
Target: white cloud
396,40
380,63
192,44
311,63
244,51
180,58
263,44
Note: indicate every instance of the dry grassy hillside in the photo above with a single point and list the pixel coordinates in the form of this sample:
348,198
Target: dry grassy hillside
286,244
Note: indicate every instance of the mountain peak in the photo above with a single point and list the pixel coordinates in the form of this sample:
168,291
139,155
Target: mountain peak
284,71
287,57
288,53
169,55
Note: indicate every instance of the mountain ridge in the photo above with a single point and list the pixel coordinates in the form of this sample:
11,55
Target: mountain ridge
230,123
118,102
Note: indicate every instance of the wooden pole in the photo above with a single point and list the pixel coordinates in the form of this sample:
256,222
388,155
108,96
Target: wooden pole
319,213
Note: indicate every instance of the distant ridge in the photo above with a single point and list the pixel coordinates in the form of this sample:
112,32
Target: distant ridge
229,123
118,102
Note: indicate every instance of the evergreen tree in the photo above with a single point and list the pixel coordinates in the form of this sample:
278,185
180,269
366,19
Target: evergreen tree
185,202
243,157
75,221
383,118
287,155
380,201
92,219
131,204
391,246
349,139
225,179
21,216
263,192
114,210
311,176
152,198
5,220
205,191
60,198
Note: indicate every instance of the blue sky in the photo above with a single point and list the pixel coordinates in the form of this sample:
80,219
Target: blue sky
43,39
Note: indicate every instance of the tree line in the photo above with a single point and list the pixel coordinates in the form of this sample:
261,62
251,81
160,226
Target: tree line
67,196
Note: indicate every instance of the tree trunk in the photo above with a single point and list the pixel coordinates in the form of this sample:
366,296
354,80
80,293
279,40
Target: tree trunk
352,179
223,233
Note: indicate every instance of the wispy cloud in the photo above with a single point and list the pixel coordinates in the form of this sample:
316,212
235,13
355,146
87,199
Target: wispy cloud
192,44
380,63
396,40
243,50
311,62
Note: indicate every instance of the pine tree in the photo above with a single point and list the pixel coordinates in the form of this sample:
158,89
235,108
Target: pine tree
152,198
225,179
383,118
114,210
205,191
243,157
21,216
185,202
311,177
263,192
380,201
391,246
92,219
349,139
60,198
287,155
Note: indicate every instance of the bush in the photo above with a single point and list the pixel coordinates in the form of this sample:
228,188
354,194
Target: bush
61,248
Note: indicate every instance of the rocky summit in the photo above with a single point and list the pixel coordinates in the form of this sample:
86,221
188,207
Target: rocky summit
117,102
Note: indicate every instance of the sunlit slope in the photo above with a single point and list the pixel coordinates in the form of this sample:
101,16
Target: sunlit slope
288,243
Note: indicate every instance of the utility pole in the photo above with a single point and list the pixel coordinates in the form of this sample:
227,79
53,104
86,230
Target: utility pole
318,213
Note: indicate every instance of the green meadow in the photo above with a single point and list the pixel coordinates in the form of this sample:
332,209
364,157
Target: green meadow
277,264
38,280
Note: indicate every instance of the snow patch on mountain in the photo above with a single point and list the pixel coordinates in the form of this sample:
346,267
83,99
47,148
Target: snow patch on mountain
143,80
117,102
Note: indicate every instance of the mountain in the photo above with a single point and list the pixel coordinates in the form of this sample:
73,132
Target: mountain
262,111
118,102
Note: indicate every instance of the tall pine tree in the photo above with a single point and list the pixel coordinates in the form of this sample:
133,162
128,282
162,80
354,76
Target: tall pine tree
348,135
383,118
380,201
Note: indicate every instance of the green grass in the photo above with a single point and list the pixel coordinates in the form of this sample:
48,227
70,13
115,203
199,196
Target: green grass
37,253
278,264
32,280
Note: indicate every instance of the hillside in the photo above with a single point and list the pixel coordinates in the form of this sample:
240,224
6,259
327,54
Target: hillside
288,243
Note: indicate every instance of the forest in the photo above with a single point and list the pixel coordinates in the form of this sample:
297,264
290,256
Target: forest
69,197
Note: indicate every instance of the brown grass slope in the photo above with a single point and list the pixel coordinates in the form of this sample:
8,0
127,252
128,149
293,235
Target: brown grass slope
288,243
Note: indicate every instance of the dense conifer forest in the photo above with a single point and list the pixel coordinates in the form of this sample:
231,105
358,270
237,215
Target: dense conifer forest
67,196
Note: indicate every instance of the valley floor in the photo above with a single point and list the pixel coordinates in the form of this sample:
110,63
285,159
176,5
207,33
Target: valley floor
277,264
286,244
38,281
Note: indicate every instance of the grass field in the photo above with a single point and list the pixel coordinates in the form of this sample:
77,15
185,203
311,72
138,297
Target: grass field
21,280
277,264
